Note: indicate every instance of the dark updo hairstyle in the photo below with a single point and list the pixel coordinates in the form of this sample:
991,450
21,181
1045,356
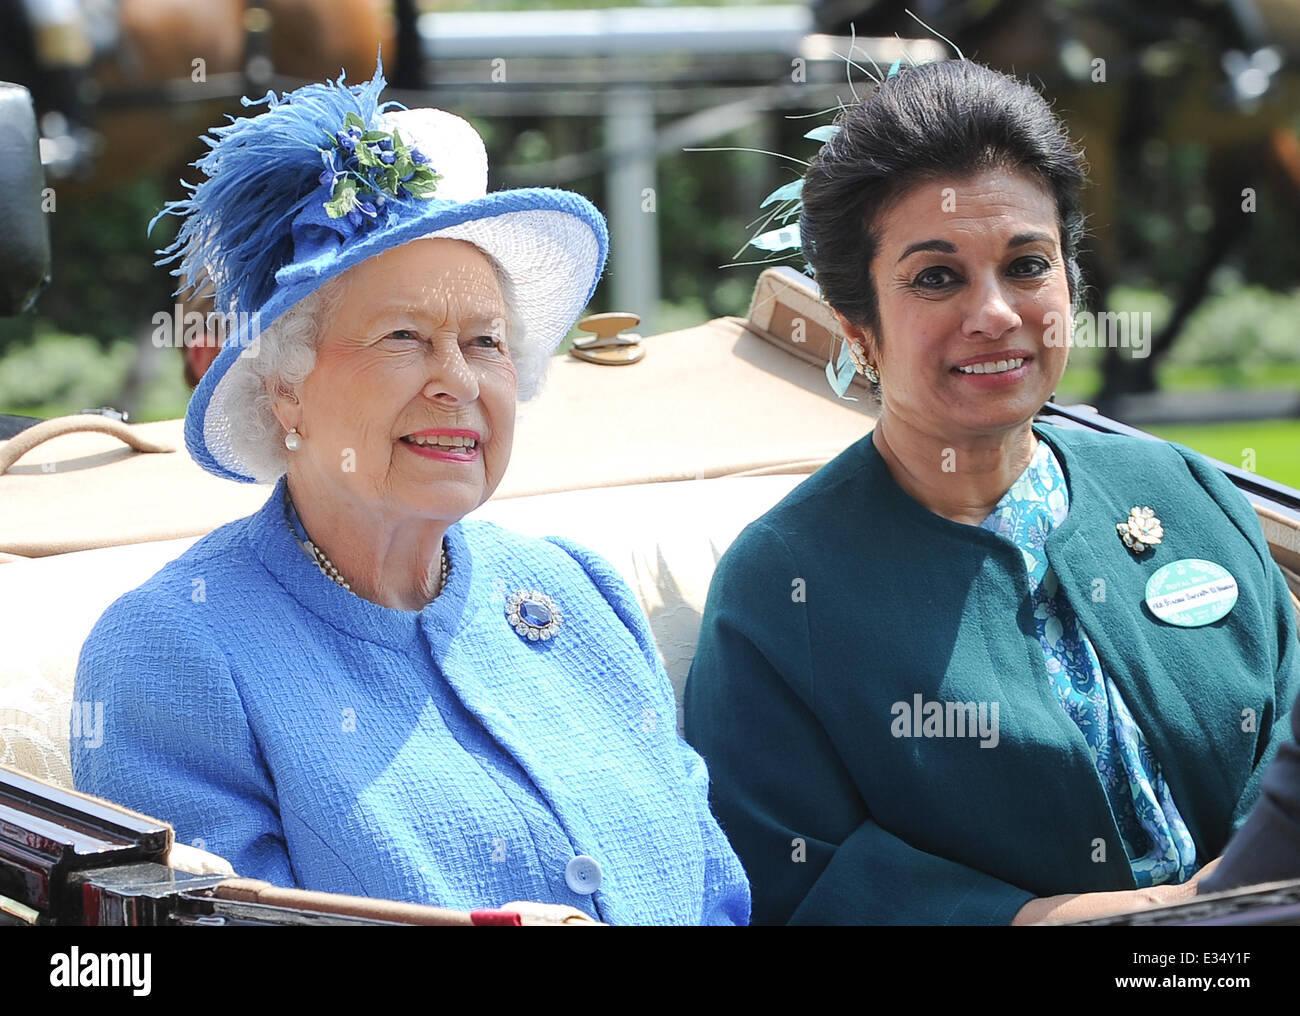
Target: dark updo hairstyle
936,121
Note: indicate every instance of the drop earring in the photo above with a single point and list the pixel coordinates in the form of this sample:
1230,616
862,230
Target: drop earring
293,440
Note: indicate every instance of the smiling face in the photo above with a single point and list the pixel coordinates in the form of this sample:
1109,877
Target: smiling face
409,411
966,288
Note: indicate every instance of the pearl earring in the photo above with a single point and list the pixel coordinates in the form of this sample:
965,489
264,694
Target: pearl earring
293,440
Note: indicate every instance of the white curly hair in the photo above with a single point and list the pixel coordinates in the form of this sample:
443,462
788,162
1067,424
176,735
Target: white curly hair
286,354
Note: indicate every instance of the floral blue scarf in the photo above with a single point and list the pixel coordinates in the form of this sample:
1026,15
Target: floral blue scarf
1155,838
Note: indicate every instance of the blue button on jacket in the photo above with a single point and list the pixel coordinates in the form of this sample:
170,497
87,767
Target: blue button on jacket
321,741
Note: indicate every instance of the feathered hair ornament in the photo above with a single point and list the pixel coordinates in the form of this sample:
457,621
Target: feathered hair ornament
784,240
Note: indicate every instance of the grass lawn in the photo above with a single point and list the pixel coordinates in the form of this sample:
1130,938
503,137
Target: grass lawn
1274,444
1083,378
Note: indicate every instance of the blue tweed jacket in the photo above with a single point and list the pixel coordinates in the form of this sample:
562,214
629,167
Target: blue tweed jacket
318,740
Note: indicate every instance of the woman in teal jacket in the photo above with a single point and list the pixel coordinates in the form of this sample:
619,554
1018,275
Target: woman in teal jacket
978,671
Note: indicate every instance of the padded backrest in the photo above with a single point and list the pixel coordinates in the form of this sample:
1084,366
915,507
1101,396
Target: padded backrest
664,538
721,399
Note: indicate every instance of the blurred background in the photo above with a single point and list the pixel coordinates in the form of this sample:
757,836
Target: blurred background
1188,111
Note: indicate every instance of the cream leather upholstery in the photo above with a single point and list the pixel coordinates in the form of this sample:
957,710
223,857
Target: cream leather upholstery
665,538
717,400
656,466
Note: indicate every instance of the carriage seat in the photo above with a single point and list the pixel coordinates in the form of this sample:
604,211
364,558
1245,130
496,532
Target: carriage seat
664,538
666,461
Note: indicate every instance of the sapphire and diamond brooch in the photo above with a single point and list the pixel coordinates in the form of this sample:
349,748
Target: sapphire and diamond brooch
533,615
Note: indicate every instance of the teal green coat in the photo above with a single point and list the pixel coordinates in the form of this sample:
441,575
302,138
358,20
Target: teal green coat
848,599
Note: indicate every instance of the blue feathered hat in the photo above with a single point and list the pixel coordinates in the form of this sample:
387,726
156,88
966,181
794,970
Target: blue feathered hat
329,176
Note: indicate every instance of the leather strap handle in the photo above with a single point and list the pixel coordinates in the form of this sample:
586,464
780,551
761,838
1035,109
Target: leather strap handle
249,890
24,441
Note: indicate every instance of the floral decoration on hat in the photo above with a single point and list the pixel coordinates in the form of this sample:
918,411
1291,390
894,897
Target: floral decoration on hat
365,167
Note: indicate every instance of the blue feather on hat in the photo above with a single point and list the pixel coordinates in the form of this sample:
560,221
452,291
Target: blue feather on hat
261,172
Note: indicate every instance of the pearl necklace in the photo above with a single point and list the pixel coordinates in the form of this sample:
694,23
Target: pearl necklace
326,566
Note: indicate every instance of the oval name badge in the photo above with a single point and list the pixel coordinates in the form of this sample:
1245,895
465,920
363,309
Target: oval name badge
1191,592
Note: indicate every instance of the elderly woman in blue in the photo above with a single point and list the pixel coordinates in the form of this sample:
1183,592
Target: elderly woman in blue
357,689
957,675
